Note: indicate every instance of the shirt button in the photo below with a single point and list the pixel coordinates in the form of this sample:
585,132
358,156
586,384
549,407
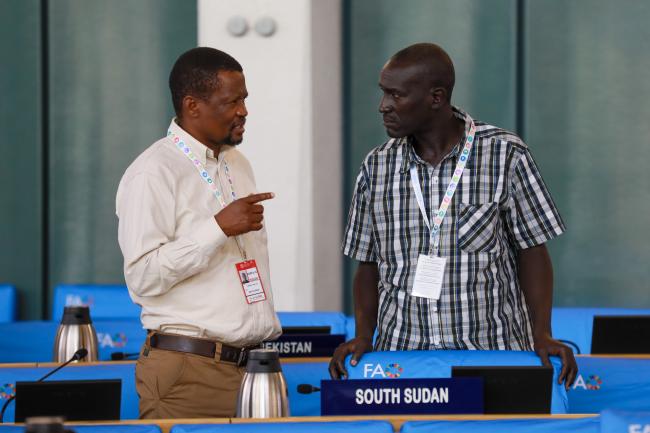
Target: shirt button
435,180
436,340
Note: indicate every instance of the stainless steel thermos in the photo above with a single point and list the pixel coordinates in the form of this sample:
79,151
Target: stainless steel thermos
263,393
75,331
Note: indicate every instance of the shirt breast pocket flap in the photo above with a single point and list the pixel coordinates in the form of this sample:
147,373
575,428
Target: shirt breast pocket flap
478,226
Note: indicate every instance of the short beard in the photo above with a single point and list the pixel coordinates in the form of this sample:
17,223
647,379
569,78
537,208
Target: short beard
231,141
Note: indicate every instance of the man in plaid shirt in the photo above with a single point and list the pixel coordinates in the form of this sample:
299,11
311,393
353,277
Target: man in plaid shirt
449,221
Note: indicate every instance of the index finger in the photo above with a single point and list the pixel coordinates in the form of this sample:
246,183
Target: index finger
336,367
571,377
256,198
340,367
334,374
562,377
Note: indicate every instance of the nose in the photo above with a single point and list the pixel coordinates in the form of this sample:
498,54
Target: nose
241,110
383,106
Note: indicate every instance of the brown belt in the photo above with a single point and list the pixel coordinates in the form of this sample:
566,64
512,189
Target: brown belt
197,346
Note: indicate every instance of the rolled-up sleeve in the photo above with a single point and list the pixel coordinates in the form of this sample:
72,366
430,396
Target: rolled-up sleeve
358,242
532,217
155,259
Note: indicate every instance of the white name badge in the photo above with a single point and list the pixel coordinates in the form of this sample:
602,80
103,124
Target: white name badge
428,277
250,281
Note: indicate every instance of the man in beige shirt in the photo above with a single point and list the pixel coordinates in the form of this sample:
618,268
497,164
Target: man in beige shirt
194,245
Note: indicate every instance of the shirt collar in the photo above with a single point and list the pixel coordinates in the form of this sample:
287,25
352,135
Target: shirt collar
198,148
409,154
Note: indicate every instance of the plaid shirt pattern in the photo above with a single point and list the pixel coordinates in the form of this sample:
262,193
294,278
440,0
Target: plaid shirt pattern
501,205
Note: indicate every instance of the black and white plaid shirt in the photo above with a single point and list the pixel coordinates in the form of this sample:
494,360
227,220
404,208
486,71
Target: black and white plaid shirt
501,205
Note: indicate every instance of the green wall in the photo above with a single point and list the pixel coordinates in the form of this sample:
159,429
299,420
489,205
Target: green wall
105,100
21,163
587,105
109,100
570,77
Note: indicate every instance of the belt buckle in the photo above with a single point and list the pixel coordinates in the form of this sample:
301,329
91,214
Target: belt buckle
242,357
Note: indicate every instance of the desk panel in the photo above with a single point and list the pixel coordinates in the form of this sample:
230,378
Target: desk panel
364,426
611,383
420,364
113,428
396,421
603,383
581,425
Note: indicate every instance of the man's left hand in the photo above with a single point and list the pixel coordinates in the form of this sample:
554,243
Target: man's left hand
545,346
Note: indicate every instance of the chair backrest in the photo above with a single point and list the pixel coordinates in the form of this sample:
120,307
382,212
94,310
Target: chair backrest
336,321
8,305
106,428
613,421
33,341
116,428
288,427
574,325
105,301
578,425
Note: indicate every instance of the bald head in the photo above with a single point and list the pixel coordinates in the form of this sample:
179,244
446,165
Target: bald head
432,63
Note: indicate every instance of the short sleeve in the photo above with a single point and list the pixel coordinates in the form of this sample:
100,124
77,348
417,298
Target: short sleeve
358,242
532,218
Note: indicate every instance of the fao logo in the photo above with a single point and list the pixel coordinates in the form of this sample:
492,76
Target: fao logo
72,300
592,383
391,371
394,371
7,391
116,340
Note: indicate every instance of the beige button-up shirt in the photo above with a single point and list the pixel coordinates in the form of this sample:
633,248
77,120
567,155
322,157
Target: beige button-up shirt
178,264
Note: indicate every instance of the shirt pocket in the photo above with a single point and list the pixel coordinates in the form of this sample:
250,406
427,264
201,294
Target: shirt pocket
478,226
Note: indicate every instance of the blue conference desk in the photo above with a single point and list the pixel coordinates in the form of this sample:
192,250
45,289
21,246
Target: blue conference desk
113,428
310,371
575,324
604,382
295,372
543,425
607,423
362,426
118,370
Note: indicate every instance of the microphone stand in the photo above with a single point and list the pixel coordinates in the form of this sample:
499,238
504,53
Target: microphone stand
79,354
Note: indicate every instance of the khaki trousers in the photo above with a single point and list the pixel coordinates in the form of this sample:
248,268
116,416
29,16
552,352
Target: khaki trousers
184,385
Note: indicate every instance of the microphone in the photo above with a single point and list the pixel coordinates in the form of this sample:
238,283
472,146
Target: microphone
120,356
305,388
78,355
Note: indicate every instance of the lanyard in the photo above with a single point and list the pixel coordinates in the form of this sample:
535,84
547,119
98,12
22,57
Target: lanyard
185,149
434,231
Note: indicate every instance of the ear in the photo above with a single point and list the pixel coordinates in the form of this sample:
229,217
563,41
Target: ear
190,107
438,97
